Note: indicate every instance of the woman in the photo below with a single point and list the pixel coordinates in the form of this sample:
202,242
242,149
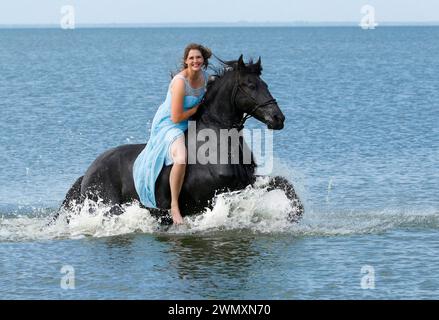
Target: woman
166,145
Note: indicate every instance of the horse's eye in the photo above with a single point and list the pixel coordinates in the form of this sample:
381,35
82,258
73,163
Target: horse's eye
252,86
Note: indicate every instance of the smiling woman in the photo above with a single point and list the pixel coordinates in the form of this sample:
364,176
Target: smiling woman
166,145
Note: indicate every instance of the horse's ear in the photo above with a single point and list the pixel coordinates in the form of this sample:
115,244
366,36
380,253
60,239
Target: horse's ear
241,64
259,62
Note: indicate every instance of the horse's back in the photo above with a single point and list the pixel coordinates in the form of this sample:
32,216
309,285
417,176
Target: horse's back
115,158
113,171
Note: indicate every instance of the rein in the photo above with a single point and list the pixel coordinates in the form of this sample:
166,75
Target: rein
237,87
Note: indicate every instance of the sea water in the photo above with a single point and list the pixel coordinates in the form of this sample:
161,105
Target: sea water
360,145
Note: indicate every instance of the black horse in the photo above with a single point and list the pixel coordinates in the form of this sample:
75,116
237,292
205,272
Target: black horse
235,90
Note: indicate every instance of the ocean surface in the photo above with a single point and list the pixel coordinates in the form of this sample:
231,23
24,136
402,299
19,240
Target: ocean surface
360,145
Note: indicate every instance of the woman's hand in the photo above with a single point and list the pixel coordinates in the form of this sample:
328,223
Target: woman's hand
195,109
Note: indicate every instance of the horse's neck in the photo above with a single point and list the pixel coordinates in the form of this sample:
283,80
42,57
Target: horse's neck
219,111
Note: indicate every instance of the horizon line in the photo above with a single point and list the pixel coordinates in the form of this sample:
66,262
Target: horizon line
220,24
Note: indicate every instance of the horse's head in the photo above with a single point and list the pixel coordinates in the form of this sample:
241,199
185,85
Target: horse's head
251,95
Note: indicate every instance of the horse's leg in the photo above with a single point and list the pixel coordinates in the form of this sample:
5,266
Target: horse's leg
111,198
100,188
162,216
73,198
283,184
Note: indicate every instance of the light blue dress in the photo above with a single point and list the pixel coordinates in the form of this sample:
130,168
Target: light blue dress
164,132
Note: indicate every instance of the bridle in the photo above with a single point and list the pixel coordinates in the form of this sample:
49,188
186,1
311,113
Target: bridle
237,87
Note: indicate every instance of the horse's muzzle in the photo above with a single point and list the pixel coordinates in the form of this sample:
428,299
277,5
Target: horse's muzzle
276,122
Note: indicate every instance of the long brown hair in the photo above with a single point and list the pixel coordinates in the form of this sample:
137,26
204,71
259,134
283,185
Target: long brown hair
205,52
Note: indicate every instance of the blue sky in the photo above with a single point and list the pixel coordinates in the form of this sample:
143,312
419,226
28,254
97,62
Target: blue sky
192,11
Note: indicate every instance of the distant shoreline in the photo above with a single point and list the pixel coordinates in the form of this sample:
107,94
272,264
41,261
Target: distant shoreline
218,25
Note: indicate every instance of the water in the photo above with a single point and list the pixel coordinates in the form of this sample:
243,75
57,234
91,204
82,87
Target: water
361,145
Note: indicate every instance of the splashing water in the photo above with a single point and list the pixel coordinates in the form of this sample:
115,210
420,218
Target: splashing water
253,209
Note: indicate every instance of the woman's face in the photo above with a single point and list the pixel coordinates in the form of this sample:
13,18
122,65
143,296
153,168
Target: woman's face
194,60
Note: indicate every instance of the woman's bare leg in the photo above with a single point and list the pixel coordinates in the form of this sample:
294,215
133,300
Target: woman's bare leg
176,178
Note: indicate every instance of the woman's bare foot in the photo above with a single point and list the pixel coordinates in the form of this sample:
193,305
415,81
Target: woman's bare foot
176,216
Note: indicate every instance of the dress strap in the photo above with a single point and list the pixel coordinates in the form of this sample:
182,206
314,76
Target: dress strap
188,89
205,74
179,76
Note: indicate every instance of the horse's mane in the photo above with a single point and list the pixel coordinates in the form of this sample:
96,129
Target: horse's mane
229,66
219,73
